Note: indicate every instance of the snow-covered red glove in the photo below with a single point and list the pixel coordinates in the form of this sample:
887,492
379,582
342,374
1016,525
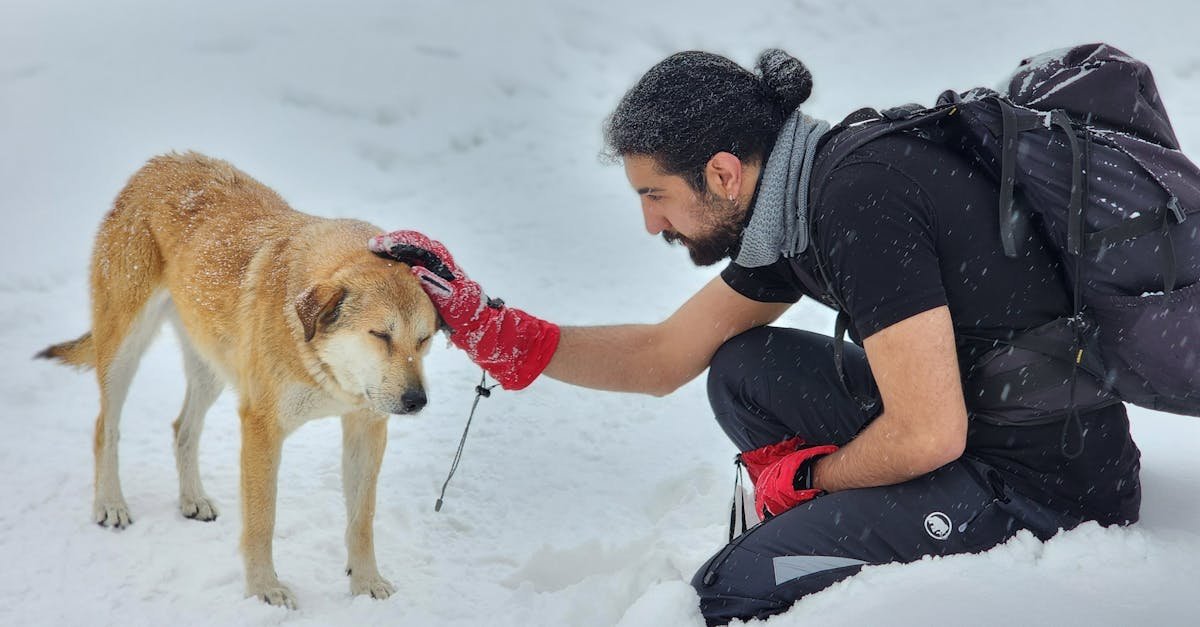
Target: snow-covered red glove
511,345
782,474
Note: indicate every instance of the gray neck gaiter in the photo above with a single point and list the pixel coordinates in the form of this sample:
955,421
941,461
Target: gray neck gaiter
779,222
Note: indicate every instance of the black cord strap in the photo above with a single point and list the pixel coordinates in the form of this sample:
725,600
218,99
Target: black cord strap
481,391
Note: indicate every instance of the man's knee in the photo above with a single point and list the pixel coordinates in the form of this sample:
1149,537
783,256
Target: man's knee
760,350
742,357
733,371
763,386
732,358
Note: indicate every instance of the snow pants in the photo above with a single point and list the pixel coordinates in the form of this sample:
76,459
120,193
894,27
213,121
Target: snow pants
769,384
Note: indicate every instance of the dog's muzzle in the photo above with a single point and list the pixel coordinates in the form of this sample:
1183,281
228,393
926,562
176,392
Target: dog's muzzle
411,402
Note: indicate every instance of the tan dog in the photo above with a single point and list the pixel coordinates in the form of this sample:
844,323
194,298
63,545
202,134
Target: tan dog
291,310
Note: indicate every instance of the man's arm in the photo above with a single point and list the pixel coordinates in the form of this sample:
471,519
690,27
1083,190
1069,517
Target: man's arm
924,422
515,347
658,358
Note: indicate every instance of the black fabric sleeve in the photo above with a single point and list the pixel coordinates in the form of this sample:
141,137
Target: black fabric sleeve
775,283
876,229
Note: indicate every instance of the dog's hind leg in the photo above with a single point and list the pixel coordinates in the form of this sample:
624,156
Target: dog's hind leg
364,437
203,388
127,307
116,363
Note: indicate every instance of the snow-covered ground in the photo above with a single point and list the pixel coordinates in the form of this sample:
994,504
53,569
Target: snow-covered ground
479,123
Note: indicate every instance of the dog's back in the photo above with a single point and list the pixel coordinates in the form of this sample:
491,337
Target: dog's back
185,224
196,224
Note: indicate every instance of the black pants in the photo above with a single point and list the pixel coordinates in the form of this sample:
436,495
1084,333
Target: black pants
769,384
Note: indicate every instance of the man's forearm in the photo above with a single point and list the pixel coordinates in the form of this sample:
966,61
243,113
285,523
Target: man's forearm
885,453
621,358
924,424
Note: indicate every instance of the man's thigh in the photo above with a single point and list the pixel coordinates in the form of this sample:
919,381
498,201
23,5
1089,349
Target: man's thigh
807,548
771,383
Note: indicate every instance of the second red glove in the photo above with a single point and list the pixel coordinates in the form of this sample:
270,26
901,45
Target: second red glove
511,345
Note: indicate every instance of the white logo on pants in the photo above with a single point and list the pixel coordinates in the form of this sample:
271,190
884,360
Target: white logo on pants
937,525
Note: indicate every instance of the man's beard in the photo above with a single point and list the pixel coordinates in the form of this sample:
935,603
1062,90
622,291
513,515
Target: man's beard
723,237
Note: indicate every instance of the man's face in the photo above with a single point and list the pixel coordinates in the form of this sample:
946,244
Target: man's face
709,226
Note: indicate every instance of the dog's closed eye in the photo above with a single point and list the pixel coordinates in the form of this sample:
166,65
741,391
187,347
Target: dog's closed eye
383,335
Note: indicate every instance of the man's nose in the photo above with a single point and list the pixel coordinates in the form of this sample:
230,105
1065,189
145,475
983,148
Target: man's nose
655,223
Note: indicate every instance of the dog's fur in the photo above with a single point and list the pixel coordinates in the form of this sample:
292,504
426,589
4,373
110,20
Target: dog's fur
291,310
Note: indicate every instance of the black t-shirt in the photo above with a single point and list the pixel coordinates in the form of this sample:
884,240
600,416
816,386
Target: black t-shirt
906,225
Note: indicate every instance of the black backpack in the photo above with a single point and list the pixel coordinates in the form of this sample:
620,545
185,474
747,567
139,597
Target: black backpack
1081,148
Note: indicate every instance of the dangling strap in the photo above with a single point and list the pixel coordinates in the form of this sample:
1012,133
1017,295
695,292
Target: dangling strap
1080,165
710,573
1008,178
1014,121
1059,118
1072,421
1073,418
737,511
481,391
842,323
839,345
839,339
1012,126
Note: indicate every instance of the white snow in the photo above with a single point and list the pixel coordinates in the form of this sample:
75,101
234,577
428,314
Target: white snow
479,123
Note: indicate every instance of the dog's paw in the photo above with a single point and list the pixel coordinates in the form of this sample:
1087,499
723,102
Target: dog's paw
198,508
377,586
275,594
112,514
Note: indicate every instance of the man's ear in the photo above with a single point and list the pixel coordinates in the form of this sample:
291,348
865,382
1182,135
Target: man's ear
723,173
319,306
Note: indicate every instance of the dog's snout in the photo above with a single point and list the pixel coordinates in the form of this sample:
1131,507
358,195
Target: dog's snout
412,401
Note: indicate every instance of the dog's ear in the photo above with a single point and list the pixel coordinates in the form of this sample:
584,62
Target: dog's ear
319,306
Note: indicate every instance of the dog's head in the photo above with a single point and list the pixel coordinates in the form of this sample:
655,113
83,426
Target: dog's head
370,325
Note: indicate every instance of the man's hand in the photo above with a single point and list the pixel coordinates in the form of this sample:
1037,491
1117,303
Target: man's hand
511,345
787,482
457,298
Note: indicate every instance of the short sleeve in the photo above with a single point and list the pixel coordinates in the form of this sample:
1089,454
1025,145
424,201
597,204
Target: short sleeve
875,227
775,283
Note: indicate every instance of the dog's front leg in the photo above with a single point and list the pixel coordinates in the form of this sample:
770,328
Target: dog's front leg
262,441
364,436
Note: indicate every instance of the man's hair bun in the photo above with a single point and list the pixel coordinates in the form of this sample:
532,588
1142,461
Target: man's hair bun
785,78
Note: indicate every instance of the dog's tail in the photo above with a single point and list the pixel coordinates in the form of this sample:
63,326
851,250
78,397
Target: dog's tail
80,352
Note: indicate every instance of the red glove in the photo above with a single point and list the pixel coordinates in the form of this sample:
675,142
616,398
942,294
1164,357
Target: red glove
511,345
782,475
761,458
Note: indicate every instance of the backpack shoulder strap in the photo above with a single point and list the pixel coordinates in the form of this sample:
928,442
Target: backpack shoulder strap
857,130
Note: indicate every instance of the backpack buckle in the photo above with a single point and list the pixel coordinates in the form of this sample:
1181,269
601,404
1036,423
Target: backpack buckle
1173,205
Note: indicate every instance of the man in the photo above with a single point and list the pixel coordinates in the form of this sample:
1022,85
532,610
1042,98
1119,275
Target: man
878,460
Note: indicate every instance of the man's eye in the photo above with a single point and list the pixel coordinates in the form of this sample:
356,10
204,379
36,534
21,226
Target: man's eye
654,197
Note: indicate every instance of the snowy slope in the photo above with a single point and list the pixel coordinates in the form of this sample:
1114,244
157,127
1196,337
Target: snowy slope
478,122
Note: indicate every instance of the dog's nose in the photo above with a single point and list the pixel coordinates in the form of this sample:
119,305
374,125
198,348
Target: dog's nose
413,400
